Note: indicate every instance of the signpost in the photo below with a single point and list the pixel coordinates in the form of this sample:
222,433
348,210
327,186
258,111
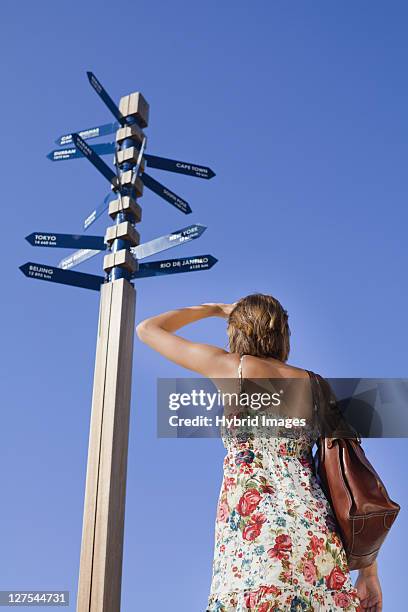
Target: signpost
173,266
192,232
100,90
142,250
94,158
67,241
100,571
64,277
93,132
97,212
71,152
77,258
172,165
153,161
166,194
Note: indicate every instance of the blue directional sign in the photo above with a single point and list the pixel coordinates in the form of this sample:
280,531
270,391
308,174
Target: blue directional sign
97,212
65,277
153,161
71,152
66,241
191,232
103,94
94,158
93,132
172,165
165,193
174,266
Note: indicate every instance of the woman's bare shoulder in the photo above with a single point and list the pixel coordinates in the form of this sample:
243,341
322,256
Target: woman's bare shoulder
257,367
268,367
227,365
296,371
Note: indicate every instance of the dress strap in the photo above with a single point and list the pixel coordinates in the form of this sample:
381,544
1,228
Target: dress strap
240,372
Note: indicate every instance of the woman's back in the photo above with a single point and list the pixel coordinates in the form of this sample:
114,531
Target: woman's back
276,544
271,402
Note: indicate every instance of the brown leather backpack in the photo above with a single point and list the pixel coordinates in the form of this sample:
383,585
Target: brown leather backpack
360,502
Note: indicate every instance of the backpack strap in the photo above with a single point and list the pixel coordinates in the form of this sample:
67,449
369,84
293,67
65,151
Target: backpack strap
314,383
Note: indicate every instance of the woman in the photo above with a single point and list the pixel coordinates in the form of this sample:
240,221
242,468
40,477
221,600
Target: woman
276,543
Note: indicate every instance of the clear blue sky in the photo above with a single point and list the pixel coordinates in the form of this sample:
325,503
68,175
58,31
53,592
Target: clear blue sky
301,109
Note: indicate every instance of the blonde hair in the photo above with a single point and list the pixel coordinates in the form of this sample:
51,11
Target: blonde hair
258,325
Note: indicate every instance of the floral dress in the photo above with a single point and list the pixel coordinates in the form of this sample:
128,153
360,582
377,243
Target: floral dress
276,542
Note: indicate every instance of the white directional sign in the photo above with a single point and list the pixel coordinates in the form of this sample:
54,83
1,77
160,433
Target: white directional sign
141,251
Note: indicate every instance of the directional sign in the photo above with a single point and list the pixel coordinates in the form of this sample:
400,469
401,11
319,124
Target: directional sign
141,251
172,165
93,132
103,94
77,258
94,158
174,266
66,241
66,277
167,242
165,193
136,168
93,216
73,153
153,161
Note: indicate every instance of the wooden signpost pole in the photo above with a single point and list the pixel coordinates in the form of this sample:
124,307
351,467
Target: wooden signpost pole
100,573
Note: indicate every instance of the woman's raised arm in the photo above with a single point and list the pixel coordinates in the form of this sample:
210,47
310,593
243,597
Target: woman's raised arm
158,333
